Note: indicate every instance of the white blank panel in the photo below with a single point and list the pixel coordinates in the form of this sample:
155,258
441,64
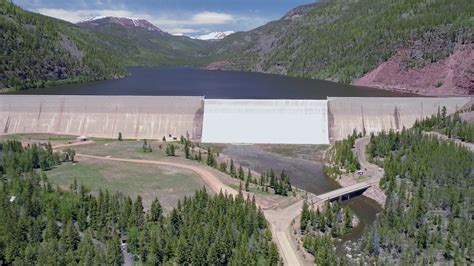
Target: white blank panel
265,121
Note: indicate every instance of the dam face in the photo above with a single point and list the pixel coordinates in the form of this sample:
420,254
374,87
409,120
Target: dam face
379,113
102,116
265,121
215,121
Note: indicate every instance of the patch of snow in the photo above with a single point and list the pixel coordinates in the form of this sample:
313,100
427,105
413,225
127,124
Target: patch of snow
92,19
217,35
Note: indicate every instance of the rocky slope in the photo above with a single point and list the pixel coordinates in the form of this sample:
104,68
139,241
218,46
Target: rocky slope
344,40
453,75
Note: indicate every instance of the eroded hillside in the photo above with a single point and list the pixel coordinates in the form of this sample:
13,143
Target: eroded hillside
343,40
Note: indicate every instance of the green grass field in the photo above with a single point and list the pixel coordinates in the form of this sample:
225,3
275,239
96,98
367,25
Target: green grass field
149,181
125,149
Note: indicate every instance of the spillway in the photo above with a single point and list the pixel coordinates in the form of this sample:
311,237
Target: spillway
265,121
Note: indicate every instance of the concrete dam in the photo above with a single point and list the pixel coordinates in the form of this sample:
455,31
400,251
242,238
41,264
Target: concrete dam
136,117
214,120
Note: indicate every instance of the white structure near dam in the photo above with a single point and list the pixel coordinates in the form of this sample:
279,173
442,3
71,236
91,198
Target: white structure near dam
265,121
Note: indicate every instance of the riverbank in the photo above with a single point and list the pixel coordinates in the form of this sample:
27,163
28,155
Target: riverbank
369,172
374,192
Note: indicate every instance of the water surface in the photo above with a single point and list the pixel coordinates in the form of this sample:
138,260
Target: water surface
213,84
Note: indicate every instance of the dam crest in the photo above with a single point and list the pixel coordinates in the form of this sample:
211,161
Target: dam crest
215,120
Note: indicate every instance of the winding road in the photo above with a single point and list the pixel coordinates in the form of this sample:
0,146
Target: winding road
279,219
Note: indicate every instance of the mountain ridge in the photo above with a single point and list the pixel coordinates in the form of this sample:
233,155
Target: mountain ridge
338,40
343,40
123,21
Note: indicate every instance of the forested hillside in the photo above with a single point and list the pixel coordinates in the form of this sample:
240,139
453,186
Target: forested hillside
342,40
37,51
428,213
40,224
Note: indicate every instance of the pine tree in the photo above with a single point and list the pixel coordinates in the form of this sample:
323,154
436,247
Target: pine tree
232,168
186,150
241,173
138,212
156,211
114,253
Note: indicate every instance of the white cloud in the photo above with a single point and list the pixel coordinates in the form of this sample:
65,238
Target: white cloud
211,18
181,31
184,23
78,15
202,18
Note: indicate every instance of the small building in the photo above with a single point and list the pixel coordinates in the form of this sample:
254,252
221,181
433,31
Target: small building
82,138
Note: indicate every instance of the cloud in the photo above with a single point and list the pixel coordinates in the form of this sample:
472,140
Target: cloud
211,18
75,16
201,18
181,31
183,23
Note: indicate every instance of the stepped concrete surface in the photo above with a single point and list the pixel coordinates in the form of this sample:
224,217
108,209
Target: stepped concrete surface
378,113
136,117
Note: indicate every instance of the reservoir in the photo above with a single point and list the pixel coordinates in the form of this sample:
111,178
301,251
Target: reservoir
213,84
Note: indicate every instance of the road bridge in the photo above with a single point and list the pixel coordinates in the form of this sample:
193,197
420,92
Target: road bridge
341,192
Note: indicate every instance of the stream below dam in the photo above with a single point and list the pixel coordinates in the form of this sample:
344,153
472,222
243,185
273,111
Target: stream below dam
308,175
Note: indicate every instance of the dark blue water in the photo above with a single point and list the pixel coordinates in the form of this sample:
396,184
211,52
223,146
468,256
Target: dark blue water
214,84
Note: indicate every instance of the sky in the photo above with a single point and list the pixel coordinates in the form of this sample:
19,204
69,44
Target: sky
188,17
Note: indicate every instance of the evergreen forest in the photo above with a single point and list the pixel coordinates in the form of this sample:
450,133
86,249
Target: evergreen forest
47,225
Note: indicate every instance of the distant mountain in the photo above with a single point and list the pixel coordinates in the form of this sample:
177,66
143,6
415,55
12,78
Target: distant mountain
344,40
217,35
122,21
140,43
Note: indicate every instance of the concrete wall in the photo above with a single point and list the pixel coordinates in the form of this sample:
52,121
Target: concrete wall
265,121
377,114
102,116
219,121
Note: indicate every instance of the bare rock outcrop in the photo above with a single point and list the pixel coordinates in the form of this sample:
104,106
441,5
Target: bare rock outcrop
453,75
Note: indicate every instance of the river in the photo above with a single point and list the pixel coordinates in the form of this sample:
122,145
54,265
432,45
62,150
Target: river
213,84
305,174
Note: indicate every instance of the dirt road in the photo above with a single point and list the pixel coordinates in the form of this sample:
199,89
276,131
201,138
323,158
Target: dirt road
280,222
280,219
370,170
457,141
